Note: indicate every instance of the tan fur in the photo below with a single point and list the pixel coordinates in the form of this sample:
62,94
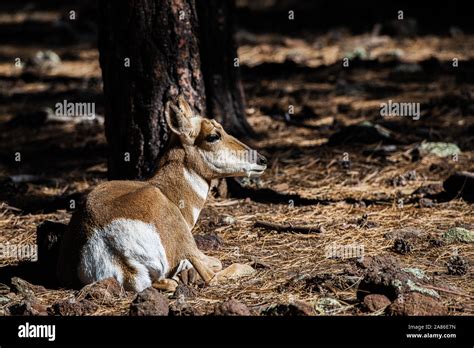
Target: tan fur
166,200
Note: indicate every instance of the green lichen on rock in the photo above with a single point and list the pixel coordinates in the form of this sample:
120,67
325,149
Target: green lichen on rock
418,273
439,149
326,305
417,288
458,234
397,283
358,53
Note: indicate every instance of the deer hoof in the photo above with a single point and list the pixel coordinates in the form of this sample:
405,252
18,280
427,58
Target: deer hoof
168,285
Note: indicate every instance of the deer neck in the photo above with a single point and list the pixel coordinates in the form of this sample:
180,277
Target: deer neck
181,185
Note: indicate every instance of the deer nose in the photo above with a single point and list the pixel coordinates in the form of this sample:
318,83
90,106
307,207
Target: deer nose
261,160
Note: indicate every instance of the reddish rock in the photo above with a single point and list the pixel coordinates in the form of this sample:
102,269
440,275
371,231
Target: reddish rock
105,290
149,302
184,291
183,309
297,308
415,303
375,302
73,307
231,308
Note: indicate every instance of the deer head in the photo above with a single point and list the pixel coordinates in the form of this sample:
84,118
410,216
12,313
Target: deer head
209,150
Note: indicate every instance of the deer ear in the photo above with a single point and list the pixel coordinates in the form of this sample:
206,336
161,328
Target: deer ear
177,121
184,107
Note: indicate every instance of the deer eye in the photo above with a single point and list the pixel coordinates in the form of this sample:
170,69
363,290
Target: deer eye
212,138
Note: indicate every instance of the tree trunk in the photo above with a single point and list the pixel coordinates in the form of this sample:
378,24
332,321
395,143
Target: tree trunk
149,52
220,66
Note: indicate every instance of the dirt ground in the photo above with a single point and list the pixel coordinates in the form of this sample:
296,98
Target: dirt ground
298,95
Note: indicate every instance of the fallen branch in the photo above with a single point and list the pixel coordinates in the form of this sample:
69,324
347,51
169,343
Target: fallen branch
288,227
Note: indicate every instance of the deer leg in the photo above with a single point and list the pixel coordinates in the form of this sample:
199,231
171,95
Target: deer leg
189,276
166,284
202,268
213,263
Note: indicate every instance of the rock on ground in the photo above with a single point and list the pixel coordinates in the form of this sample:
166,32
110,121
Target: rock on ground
149,302
297,308
376,302
414,303
73,307
384,275
231,308
105,291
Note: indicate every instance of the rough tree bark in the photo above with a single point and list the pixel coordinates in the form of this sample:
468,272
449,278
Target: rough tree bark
224,93
149,52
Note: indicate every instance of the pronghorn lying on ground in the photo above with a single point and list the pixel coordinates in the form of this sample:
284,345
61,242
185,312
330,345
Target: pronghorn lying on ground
139,232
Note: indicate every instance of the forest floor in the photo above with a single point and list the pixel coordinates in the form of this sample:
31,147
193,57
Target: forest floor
368,188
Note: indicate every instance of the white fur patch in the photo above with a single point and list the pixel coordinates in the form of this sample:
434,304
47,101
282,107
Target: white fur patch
134,242
183,265
196,212
226,161
198,184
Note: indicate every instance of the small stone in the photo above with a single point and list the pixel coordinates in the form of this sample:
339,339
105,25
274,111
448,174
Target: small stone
149,302
231,308
414,303
376,302
228,220
183,309
46,60
184,291
296,308
327,305
402,246
105,290
457,265
71,307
